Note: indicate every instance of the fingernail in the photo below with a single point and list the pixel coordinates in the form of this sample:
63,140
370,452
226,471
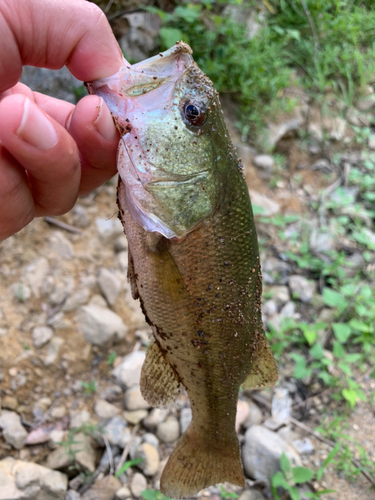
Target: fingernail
104,123
35,128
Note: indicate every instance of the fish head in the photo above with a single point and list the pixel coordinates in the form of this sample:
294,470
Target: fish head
173,141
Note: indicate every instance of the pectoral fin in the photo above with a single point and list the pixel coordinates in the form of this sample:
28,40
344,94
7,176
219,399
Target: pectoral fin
264,369
160,384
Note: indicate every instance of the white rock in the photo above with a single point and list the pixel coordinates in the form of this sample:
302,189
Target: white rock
61,245
254,417
13,431
302,288
109,285
134,399
155,417
100,325
123,493
41,335
117,432
268,206
281,405
109,228
79,418
121,244
280,294
251,495
28,481
261,453
168,431
265,165
150,439
304,446
134,417
76,300
53,350
103,409
36,272
150,459
185,419
128,372
138,484
21,292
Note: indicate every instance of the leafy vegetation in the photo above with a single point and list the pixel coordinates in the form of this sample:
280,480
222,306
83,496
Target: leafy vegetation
325,47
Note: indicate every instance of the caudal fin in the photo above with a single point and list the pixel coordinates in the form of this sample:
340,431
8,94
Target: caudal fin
197,463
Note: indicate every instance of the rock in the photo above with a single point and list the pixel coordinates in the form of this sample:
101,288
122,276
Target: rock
21,292
134,417
352,264
150,439
123,493
185,419
58,83
109,285
78,454
304,446
72,495
371,142
36,273
103,489
41,335
301,288
269,308
134,399
28,481
122,259
100,325
254,417
268,206
59,322
109,228
98,301
242,413
138,484
111,393
155,417
168,431
265,165
53,350
251,495
276,132
9,402
138,41
76,300
275,271
261,453
107,458
58,412
116,432
60,244
288,310
150,459
281,409
366,103
137,315
121,244
280,294
80,217
61,292
321,241
79,418
40,407
104,410
13,431
128,372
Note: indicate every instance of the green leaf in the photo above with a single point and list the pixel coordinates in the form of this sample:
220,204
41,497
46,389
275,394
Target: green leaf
342,331
302,474
310,335
277,481
190,13
127,466
294,493
317,351
350,395
344,367
331,456
300,369
169,36
284,463
338,350
334,299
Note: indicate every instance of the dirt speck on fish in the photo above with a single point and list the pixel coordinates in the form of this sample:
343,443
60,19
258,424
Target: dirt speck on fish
193,258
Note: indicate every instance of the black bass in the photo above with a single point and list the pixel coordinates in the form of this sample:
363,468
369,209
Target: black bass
193,258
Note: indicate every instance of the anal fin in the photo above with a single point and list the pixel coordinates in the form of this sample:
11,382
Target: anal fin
160,384
264,371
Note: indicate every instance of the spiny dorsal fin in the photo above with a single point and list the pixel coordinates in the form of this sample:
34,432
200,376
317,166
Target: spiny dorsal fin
160,384
264,369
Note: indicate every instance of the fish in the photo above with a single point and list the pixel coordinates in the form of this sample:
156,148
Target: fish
193,258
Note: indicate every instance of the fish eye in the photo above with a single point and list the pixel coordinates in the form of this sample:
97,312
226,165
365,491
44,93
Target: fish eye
194,113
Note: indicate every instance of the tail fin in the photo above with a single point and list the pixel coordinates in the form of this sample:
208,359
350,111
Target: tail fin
197,463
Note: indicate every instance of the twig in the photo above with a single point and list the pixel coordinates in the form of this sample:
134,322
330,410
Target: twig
62,225
110,455
313,30
127,448
316,434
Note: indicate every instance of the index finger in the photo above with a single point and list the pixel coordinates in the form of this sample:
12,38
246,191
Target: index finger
54,33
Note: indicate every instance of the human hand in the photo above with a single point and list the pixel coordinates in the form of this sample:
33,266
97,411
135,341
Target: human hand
52,151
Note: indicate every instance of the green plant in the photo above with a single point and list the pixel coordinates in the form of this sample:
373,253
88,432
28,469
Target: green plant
288,478
127,465
225,494
89,387
153,495
111,358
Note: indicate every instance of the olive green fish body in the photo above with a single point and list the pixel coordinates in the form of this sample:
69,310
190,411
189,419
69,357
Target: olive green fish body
193,263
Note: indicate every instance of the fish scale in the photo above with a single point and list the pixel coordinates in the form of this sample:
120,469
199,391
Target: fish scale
193,259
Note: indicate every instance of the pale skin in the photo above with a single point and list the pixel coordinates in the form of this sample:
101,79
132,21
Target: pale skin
50,150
